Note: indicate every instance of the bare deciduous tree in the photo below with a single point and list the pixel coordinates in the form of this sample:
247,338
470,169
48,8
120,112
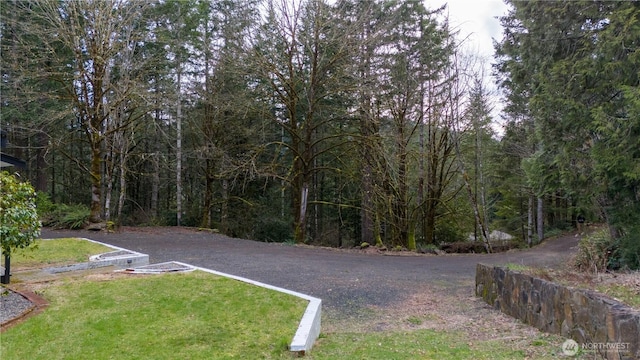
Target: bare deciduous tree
88,47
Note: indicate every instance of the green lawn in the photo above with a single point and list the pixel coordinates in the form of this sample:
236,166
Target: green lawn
56,252
173,316
417,344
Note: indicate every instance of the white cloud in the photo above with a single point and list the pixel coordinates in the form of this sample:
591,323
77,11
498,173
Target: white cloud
478,24
476,20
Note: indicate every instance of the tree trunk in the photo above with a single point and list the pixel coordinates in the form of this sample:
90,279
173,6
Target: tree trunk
300,225
123,183
179,151
377,230
403,211
224,208
530,221
6,277
430,221
421,174
484,227
108,179
484,230
41,173
411,237
208,195
366,206
367,129
540,219
604,204
155,156
95,215
155,185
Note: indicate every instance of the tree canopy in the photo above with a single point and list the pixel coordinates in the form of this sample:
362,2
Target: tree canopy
569,70
331,123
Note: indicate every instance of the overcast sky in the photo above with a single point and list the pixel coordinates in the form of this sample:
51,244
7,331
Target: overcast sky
478,24
476,19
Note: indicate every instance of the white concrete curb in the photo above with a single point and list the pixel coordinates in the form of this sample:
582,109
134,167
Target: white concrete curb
132,258
160,268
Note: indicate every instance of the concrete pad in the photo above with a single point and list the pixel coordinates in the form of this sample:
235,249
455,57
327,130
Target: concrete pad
119,257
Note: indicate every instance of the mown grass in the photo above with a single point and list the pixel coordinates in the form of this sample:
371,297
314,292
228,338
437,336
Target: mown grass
172,316
56,252
416,344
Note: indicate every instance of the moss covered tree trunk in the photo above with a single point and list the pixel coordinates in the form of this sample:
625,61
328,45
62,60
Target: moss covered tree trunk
96,178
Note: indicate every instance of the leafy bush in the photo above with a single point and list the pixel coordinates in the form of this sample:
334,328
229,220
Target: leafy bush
595,251
170,218
628,252
44,205
448,231
553,232
274,230
76,217
478,246
19,224
63,216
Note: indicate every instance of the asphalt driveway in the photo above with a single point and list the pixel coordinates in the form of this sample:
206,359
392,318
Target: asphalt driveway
346,281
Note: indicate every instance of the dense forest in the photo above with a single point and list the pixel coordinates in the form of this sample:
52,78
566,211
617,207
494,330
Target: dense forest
327,122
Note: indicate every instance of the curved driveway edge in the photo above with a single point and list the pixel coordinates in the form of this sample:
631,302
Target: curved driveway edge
349,282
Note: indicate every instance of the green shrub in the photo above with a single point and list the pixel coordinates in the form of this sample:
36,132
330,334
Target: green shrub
274,230
595,251
19,224
476,247
63,216
553,232
44,205
448,231
627,255
76,218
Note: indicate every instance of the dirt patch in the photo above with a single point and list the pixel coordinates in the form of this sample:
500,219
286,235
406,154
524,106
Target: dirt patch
452,310
107,276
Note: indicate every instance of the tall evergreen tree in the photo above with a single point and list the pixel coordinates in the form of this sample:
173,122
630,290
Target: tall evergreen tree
574,65
416,54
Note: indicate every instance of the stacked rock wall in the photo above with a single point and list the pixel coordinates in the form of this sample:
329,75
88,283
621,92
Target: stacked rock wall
596,322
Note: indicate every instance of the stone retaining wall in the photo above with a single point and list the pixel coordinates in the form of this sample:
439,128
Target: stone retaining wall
595,322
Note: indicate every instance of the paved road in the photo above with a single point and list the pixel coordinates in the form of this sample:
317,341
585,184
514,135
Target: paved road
345,280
